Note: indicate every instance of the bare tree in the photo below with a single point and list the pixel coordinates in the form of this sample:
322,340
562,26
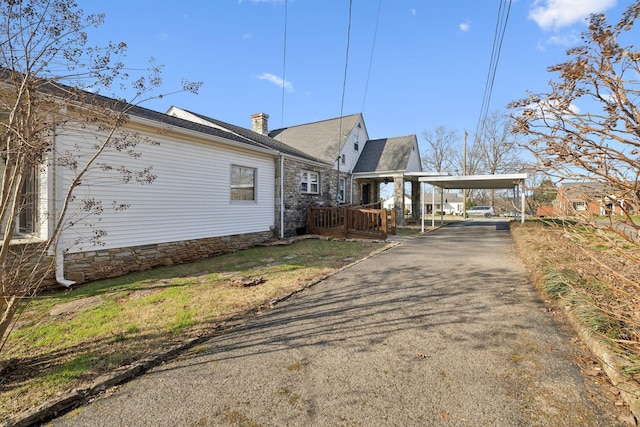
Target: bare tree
441,146
51,81
587,128
497,147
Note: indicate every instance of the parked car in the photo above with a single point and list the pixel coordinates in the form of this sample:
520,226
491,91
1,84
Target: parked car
485,211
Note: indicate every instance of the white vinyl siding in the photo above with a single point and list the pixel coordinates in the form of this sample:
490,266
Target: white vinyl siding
189,199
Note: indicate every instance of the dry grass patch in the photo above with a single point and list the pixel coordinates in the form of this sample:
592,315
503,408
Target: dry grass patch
62,341
575,267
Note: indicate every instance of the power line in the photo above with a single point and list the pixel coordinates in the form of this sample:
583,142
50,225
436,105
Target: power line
344,79
373,45
284,64
344,89
498,38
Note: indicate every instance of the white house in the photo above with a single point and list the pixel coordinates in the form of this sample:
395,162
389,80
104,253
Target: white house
217,188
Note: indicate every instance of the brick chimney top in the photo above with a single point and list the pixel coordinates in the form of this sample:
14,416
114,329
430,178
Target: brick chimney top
260,123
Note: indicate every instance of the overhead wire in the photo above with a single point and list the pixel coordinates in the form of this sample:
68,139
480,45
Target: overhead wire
284,64
498,37
344,79
373,45
344,89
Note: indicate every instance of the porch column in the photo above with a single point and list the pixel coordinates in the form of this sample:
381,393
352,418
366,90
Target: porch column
398,199
415,200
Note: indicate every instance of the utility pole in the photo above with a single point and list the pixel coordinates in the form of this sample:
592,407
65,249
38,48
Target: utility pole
464,172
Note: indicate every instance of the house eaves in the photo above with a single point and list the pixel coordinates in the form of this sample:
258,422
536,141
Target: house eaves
203,132
84,100
251,136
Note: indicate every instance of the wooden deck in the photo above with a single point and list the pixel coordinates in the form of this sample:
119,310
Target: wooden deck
353,222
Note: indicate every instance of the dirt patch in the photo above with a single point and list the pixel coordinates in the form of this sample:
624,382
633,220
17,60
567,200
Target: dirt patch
76,305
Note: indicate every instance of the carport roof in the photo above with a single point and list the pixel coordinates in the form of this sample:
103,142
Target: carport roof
472,182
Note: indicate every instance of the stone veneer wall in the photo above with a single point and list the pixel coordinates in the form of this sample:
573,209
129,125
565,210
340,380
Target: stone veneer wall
296,202
101,264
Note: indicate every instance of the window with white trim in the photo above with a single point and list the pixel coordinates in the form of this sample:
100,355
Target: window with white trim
310,182
579,206
342,184
243,183
26,220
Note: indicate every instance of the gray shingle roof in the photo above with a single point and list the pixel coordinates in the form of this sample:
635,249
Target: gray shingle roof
387,154
187,124
256,137
63,91
318,139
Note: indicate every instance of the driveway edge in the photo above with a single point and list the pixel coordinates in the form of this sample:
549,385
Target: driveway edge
74,398
611,364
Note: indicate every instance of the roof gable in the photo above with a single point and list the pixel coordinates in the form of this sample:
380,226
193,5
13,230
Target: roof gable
322,140
386,155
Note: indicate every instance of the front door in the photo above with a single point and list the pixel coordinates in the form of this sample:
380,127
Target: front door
366,190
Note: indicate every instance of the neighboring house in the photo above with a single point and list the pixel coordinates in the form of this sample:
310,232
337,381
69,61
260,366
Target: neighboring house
390,203
589,198
452,203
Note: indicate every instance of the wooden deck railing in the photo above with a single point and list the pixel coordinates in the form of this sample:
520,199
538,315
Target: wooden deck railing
351,222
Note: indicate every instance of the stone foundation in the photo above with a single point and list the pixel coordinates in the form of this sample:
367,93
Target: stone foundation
102,264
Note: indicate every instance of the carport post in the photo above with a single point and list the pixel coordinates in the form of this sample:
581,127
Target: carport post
433,206
520,187
422,204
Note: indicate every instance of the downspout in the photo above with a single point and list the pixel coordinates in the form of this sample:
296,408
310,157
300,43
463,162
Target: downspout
58,251
60,269
281,196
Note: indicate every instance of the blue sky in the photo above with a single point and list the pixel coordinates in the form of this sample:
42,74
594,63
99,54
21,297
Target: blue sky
429,68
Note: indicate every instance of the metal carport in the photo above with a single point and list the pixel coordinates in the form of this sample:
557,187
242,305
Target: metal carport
470,182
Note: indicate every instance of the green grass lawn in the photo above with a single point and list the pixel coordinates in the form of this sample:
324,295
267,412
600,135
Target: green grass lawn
67,339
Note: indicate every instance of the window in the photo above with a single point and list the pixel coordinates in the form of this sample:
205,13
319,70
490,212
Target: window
355,145
27,205
341,187
344,159
579,206
243,183
28,200
310,182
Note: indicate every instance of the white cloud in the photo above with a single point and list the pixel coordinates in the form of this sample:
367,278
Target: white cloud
555,14
276,81
465,27
550,110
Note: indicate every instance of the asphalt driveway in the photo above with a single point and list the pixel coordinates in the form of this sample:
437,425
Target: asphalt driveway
443,330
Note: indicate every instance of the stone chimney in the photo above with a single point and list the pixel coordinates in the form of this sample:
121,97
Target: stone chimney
260,123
